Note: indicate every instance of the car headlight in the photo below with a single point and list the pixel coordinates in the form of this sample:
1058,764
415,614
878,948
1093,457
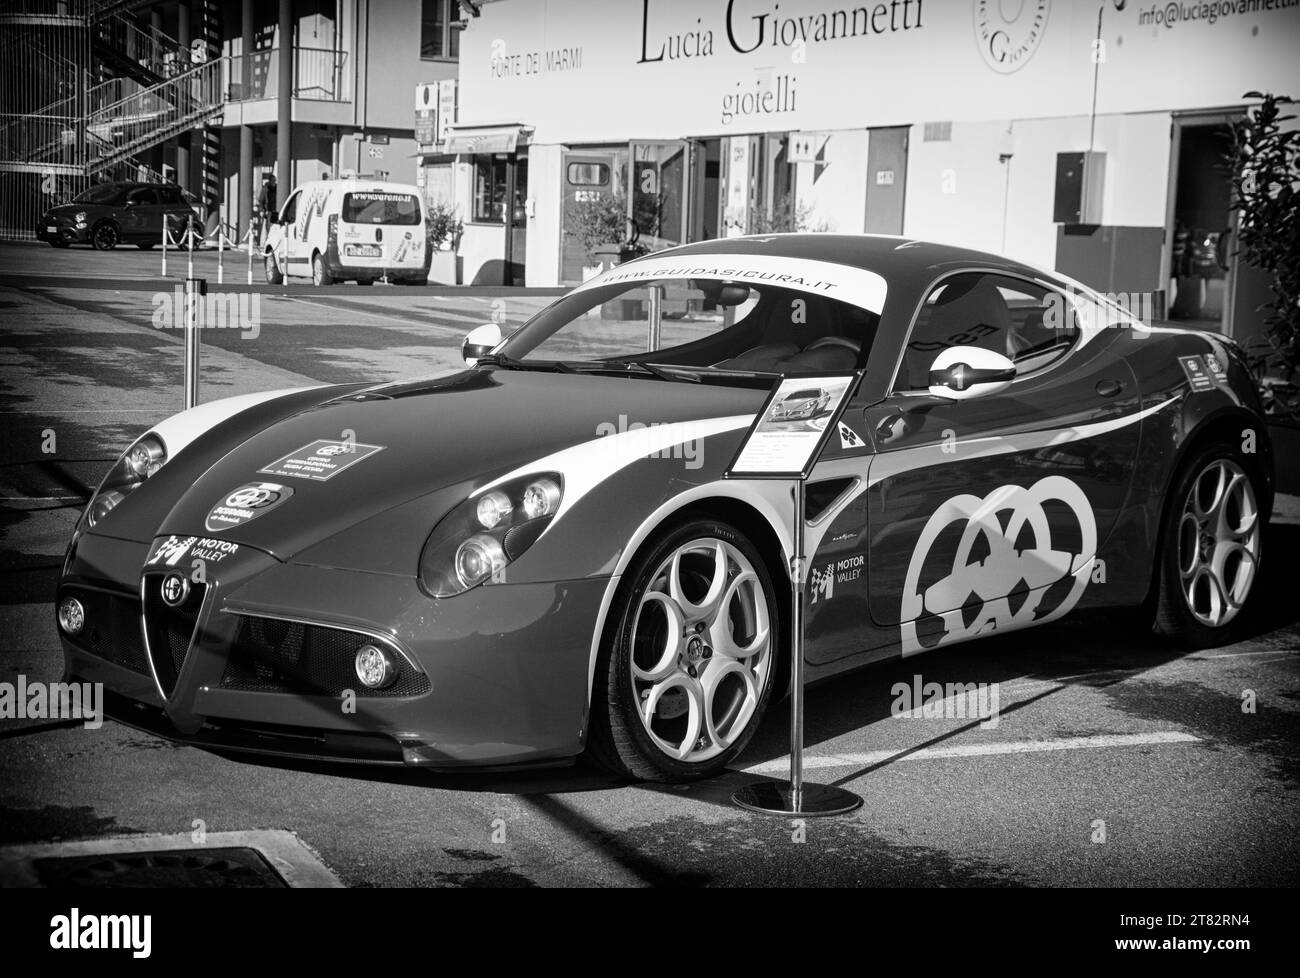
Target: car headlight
475,542
79,217
145,457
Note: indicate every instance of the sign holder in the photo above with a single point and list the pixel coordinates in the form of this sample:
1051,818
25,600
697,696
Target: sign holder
789,457
195,288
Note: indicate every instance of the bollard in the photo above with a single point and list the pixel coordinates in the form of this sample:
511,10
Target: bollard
164,248
189,269
221,254
195,288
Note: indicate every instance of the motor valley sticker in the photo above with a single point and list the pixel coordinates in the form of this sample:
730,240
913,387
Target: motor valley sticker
248,502
1198,375
321,460
172,551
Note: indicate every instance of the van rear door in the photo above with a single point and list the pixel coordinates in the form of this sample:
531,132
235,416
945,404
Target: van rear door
381,229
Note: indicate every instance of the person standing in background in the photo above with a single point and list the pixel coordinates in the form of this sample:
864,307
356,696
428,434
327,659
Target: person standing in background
266,203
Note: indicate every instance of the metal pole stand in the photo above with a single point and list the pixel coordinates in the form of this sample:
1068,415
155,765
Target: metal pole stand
796,799
194,288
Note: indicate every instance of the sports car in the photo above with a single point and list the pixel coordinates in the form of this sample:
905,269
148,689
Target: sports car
548,553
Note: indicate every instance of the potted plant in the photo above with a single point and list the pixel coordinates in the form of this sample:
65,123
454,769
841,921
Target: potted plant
605,233
443,230
1265,179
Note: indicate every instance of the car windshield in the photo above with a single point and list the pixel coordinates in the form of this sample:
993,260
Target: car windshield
373,207
103,193
740,314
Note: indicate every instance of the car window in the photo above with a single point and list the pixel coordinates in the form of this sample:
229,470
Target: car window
290,212
702,323
1031,324
171,196
142,196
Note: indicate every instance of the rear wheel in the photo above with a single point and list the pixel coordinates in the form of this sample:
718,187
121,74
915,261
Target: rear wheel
273,274
319,273
1210,548
687,669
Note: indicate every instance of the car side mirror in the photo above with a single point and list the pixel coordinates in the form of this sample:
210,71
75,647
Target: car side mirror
960,373
479,342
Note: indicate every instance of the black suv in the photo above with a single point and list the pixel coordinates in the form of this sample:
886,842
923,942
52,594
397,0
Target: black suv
109,214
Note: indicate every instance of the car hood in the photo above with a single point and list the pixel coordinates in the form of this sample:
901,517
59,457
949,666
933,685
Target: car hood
438,439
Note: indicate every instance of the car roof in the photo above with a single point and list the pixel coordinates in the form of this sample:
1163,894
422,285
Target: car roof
370,186
901,260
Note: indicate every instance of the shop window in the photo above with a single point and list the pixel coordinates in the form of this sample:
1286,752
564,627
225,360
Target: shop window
439,35
492,196
588,175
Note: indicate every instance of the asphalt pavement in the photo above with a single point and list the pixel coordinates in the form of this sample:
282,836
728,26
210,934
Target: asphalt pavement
1115,761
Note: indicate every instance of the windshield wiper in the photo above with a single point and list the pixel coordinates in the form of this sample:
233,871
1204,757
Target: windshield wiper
510,363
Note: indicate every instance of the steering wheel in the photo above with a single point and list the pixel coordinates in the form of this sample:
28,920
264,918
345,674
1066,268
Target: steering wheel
843,341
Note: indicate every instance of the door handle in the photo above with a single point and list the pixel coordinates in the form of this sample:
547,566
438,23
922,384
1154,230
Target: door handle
1109,388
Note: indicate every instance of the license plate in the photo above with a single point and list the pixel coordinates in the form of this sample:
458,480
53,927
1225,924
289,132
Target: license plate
51,230
362,251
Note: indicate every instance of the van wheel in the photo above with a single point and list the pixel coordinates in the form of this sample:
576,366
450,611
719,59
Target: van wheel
319,273
273,273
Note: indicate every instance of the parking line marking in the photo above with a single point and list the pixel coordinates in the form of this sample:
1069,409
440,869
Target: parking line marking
813,762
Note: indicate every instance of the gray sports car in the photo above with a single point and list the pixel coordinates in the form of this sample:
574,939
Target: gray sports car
539,556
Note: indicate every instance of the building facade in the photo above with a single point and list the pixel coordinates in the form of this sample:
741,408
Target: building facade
1084,135
211,94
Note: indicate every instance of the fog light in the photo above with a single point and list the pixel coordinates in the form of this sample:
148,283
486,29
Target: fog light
375,667
72,617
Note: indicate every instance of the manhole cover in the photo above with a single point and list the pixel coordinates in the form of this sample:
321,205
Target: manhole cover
189,869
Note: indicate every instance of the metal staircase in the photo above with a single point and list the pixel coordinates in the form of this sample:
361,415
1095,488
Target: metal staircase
85,91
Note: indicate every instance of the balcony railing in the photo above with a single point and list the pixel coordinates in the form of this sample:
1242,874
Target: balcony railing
318,73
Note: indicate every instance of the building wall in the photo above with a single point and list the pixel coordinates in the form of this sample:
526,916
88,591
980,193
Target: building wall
834,189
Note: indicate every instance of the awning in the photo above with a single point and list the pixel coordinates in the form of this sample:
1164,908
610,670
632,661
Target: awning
485,139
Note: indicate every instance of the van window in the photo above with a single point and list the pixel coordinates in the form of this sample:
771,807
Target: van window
373,207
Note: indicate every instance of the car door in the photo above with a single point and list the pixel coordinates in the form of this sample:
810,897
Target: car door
291,257
988,513
142,215
176,211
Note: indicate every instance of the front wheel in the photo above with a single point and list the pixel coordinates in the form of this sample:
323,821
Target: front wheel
273,274
687,669
105,237
319,273
1210,548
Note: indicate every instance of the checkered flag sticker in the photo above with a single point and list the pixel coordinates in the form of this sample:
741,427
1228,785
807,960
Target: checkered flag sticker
822,582
848,437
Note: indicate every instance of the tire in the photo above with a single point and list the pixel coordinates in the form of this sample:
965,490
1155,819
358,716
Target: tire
1210,548
319,273
703,703
273,274
105,236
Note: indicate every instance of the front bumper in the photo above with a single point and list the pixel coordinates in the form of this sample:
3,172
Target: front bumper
497,676
63,231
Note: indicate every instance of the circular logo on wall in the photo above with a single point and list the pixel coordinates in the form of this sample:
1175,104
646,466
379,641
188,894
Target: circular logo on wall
1008,32
175,589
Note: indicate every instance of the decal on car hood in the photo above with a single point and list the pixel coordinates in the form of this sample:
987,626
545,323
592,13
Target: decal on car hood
320,460
248,502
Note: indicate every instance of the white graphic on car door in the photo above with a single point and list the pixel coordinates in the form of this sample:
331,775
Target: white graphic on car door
1013,570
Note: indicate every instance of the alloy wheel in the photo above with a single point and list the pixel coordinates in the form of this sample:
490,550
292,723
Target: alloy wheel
1218,543
702,650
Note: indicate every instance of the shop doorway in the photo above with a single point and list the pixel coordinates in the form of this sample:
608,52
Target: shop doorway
886,173
1208,286
590,178
706,182
657,208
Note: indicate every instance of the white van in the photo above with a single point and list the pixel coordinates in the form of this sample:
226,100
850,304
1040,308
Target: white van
357,230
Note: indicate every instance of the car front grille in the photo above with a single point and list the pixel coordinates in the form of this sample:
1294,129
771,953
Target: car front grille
169,630
270,655
112,630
